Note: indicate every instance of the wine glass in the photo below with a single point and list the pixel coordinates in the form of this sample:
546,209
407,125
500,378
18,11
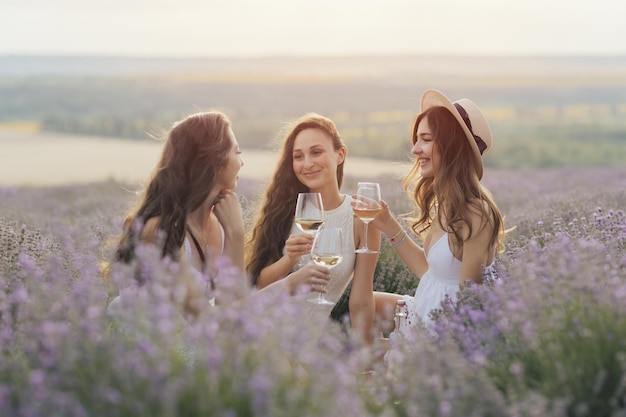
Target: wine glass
309,212
326,251
366,207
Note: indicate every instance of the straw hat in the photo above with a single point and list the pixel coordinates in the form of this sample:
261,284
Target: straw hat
471,119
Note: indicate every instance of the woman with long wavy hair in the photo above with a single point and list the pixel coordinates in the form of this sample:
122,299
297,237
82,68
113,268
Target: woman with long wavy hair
312,160
460,225
189,207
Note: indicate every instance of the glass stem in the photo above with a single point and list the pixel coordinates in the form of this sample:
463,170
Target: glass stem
365,244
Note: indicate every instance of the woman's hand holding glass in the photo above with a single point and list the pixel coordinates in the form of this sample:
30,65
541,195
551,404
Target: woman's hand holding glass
327,251
311,276
309,214
309,218
298,245
384,220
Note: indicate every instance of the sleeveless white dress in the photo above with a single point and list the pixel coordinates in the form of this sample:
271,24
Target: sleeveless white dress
440,281
341,275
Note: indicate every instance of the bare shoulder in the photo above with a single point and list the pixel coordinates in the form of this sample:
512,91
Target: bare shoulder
150,230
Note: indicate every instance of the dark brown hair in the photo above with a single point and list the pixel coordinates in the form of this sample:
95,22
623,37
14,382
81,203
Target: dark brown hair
195,151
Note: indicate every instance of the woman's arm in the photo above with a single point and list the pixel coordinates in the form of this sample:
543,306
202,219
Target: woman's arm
310,277
411,254
476,251
295,247
361,301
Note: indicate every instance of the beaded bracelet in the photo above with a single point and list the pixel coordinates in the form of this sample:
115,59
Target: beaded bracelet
395,245
392,238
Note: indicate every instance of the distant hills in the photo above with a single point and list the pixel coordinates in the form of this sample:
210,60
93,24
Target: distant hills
375,66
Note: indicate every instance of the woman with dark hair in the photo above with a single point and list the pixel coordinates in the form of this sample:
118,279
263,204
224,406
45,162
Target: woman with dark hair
457,219
189,208
312,161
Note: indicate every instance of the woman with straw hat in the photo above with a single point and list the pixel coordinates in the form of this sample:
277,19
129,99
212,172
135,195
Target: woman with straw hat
457,219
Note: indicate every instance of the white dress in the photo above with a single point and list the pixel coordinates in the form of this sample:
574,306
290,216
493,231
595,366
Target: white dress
440,281
341,275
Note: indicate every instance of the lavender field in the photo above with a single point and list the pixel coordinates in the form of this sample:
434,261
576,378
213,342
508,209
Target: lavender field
546,339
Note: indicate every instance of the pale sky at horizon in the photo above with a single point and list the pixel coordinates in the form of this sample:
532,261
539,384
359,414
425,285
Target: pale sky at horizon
195,28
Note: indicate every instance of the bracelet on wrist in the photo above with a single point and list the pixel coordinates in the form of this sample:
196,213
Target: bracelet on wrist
393,238
399,242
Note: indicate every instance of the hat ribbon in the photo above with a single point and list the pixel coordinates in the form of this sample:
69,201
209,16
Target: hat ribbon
479,141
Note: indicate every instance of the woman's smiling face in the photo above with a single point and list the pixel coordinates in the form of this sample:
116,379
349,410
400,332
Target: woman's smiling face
427,152
315,160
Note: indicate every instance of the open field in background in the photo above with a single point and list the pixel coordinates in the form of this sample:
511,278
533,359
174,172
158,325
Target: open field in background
544,112
31,157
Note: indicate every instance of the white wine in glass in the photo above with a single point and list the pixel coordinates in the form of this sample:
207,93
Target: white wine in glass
309,212
366,208
326,251
328,261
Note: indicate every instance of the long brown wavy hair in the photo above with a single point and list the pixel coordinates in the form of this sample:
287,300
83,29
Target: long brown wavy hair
455,186
275,218
195,151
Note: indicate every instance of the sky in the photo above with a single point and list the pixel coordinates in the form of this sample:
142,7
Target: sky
237,28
